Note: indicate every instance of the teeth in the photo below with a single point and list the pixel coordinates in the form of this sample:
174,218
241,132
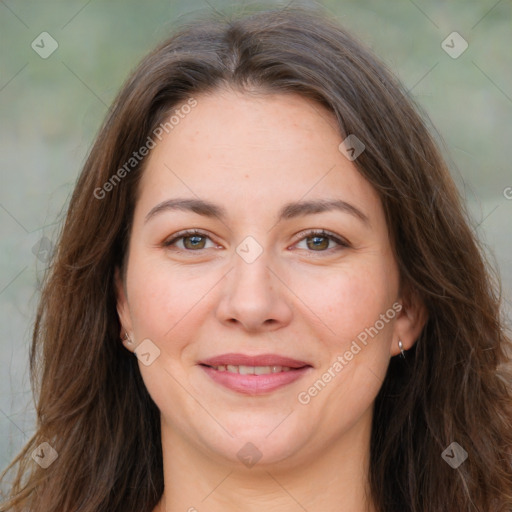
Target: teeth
246,370
251,370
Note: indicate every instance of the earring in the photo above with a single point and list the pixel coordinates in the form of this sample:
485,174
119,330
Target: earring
401,347
127,338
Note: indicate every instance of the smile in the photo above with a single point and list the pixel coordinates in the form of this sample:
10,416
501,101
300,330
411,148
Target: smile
251,370
254,380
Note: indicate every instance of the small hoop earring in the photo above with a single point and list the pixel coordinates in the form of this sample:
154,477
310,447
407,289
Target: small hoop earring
401,347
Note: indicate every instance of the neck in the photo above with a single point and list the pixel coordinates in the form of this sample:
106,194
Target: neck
334,478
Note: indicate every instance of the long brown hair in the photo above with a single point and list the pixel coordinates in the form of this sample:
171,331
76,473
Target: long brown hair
92,405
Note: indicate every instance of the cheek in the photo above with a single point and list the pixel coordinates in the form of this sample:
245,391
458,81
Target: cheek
355,342
164,303
162,297
351,299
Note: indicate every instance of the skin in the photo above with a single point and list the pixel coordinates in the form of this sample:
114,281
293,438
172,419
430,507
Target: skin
253,153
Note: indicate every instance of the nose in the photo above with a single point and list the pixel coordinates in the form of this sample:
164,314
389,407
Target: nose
255,296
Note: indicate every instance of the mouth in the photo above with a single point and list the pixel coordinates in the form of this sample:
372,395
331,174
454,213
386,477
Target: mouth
251,370
254,374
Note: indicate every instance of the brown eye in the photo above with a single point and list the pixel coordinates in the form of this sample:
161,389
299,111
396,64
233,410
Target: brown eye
318,241
191,241
194,242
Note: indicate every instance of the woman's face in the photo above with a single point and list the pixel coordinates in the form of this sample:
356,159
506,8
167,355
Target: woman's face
256,281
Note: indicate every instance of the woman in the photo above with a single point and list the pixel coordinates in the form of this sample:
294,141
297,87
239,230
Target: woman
267,294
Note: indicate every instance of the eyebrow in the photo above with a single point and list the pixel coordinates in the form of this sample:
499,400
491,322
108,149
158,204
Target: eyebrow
289,210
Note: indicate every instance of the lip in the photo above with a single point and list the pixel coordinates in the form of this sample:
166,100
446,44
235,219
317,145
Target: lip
254,384
261,360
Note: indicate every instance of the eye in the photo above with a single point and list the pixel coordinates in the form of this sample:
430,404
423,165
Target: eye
192,240
316,240
319,240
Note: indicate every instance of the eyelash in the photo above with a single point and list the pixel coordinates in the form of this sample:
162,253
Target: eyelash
304,234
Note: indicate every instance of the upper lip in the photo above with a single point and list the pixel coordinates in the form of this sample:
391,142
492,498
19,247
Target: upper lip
261,360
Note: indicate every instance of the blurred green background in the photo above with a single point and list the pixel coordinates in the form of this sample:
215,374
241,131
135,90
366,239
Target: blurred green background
52,107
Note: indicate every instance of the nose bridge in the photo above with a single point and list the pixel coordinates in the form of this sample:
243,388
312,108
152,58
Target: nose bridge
251,278
251,268
253,296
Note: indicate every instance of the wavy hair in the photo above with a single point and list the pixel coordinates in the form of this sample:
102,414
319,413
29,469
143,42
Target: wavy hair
91,403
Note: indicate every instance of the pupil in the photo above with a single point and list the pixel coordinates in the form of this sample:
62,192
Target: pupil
317,242
194,240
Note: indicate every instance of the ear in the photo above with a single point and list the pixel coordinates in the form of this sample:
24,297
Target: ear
410,320
123,311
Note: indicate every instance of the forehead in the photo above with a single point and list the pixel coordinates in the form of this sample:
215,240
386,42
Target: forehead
270,148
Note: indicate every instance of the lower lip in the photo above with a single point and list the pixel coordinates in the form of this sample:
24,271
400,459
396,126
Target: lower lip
255,384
